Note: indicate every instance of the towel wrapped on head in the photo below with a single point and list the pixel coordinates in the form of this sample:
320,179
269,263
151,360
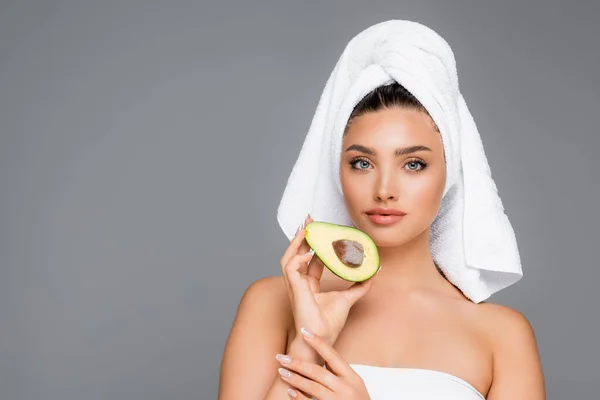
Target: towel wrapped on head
472,240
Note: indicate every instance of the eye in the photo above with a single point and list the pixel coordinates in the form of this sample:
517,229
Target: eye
360,163
416,165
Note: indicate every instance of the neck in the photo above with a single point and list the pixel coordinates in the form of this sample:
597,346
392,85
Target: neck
410,267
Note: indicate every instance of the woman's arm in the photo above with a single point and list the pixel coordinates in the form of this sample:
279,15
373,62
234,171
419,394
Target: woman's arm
517,367
259,332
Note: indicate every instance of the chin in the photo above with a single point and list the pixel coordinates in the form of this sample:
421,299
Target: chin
388,238
387,235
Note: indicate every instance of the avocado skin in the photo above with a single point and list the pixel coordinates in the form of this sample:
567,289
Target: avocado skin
320,236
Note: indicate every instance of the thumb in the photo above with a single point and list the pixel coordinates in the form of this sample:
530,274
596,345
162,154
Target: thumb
358,290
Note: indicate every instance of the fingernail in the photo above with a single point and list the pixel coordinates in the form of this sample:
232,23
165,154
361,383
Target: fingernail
283,358
285,373
307,333
292,392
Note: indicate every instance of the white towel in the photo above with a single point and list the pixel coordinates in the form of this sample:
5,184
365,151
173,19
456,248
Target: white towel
472,240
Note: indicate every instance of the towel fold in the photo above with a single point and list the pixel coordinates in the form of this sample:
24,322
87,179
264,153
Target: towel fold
472,240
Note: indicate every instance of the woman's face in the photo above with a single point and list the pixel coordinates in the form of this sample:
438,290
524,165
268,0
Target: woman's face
376,172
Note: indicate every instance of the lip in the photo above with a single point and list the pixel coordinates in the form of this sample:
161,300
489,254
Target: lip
385,216
384,219
385,211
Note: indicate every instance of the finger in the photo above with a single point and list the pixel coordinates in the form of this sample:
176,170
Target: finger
335,362
297,284
356,291
304,247
314,274
290,252
306,385
298,395
292,248
296,247
295,243
315,268
311,371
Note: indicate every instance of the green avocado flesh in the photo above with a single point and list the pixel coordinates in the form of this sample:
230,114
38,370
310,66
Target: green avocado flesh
347,252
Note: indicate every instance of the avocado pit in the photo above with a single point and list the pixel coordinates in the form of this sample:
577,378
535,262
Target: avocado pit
350,252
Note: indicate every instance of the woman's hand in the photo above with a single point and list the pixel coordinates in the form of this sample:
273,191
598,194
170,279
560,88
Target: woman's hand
322,313
337,382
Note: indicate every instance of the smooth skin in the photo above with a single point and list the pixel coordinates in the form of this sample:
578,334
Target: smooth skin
412,315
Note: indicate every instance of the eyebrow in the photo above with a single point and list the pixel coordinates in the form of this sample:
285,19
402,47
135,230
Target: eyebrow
399,152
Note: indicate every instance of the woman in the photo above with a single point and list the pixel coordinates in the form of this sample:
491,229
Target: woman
406,333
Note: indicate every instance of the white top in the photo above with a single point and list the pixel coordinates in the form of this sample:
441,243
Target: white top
388,383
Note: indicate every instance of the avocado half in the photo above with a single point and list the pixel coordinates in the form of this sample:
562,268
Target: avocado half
346,251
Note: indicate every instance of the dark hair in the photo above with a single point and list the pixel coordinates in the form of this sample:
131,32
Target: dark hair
388,96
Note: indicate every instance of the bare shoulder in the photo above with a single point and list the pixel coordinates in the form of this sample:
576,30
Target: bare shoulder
266,299
259,331
267,288
502,322
506,327
517,365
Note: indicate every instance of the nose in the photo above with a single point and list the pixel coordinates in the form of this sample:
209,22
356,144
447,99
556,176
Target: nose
386,188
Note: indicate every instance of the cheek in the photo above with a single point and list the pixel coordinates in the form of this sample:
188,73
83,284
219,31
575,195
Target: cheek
425,195
354,192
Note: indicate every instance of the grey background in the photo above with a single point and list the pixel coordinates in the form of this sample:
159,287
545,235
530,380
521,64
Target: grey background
144,147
